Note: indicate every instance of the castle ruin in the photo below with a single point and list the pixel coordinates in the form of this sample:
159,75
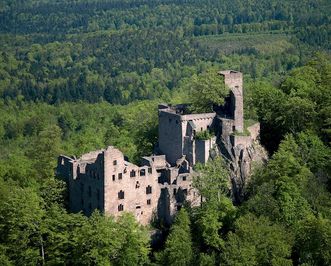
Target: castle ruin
157,188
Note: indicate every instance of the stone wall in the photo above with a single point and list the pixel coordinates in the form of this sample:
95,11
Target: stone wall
234,80
202,149
170,136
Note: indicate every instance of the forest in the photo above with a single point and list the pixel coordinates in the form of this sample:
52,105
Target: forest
79,75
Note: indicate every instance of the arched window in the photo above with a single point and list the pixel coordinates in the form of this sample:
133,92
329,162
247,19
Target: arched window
121,194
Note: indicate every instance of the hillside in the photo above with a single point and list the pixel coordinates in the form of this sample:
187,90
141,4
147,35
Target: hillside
79,75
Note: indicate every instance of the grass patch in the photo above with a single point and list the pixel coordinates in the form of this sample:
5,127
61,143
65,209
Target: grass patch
203,135
263,43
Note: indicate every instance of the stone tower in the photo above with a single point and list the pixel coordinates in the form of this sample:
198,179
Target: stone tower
234,80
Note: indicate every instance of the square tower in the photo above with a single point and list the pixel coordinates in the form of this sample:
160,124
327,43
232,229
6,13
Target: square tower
234,80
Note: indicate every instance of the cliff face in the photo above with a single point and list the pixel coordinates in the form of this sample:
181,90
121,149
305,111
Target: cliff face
242,154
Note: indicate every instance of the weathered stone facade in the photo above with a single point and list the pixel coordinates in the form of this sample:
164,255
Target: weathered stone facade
104,180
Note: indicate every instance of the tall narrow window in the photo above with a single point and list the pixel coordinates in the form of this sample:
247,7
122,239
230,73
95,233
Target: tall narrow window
115,162
137,184
142,172
120,175
121,194
113,177
150,170
148,190
149,202
120,207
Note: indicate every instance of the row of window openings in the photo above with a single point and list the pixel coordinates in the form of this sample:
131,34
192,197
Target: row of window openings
148,191
132,173
121,206
142,172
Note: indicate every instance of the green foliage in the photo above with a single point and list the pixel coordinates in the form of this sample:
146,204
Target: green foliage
123,52
206,90
203,135
299,104
313,241
213,179
178,247
212,220
257,241
20,223
102,241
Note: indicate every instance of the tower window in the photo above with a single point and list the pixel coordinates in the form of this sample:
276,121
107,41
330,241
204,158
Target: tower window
133,173
120,175
150,170
121,194
184,178
113,177
115,162
137,184
120,208
149,202
142,172
149,190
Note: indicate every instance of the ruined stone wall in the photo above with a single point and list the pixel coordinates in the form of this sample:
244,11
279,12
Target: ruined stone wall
129,187
201,122
202,149
234,81
170,136
86,190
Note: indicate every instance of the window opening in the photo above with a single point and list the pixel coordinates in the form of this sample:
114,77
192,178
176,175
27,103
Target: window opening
121,194
148,190
133,173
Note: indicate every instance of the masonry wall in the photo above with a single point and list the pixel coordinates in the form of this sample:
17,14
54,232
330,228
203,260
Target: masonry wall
129,187
202,149
202,122
234,81
170,136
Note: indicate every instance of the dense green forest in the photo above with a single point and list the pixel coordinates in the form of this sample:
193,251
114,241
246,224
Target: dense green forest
79,75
